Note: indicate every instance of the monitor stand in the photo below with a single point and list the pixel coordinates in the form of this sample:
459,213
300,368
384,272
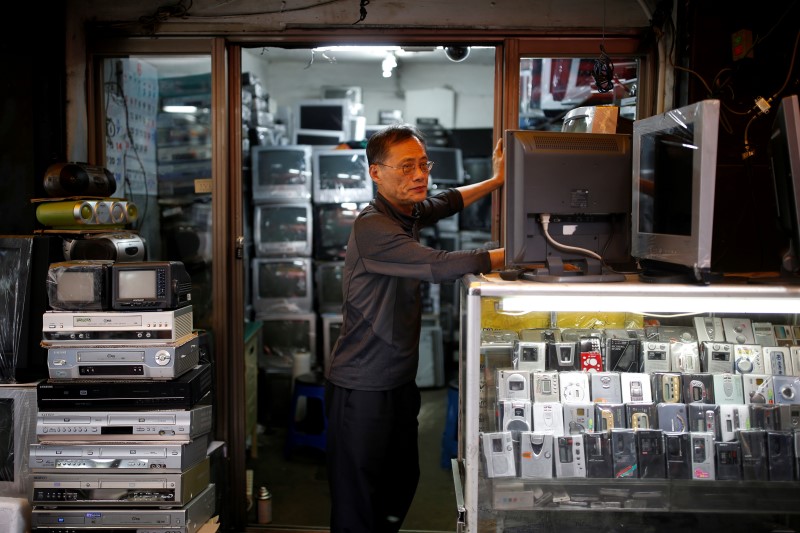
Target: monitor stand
661,272
586,270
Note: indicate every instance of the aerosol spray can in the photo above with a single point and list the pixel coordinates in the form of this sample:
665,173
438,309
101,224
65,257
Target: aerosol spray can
264,506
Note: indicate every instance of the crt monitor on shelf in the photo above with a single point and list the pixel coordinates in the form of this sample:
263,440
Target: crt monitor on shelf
281,172
448,168
282,284
332,227
567,203
341,175
283,229
674,173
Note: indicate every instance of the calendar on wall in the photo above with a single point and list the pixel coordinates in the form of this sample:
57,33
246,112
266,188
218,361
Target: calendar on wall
131,109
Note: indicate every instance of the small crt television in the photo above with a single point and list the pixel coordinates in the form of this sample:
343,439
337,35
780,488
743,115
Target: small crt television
328,276
341,176
448,167
282,285
326,114
281,172
332,226
283,229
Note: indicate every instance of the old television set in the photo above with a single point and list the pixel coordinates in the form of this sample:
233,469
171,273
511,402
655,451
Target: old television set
288,333
283,229
282,285
448,168
673,182
332,226
143,285
341,176
567,205
281,172
24,265
784,152
328,276
17,432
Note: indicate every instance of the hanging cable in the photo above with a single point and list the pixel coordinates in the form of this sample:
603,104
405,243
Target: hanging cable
603,70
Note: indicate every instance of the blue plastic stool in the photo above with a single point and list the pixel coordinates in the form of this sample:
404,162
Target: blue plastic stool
312,429
450,433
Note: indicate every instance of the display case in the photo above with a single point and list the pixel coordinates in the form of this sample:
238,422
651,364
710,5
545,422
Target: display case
534,360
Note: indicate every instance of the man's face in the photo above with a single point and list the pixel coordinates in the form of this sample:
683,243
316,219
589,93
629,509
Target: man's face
400,189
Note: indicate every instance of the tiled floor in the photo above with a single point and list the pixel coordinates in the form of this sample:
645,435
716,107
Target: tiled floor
299,485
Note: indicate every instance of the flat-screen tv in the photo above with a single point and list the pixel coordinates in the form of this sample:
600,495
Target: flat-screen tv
328,291
288,333
281,172
674,173
283,229
448,168
784,152
332,225
567,204
18,411
282,285
341,176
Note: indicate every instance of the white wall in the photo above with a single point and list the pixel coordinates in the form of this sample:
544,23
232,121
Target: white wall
290,81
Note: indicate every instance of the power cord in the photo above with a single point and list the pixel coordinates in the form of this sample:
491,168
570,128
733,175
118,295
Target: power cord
545,221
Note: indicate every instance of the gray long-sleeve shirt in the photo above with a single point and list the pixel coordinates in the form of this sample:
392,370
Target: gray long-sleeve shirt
378,345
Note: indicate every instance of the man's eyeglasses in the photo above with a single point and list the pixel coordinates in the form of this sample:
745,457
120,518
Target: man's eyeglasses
408,168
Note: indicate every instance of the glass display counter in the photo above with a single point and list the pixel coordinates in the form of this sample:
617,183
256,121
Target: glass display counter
610,406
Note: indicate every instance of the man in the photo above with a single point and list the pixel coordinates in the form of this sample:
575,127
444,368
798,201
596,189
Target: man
372,399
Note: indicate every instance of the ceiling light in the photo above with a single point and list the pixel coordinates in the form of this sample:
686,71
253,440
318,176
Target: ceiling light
388,64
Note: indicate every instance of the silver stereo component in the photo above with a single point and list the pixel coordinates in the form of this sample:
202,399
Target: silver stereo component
570,459
513,384
728,388
187,519
546,387
167,425
69,328
530,355
498,451
636,387
122,458
764,334
702,450
548,417
578,418
118,246
777,360
116,489
574,386
787,389
747,359
685,357
732,418
164,361
738,330
709,329
536,455
757,388
655,357
605,387
716,357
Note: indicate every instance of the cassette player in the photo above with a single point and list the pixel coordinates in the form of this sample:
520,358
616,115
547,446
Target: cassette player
70,328
166,425
141,490
108,285
187,519
181,393
151,362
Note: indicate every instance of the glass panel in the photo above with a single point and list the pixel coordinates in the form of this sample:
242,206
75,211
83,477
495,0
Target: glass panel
562,93
158,147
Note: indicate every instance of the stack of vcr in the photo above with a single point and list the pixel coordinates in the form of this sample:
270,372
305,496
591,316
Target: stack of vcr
125,416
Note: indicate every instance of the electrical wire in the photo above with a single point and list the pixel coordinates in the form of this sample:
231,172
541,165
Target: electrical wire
545,221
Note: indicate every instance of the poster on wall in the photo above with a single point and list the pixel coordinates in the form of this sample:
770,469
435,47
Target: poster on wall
131,109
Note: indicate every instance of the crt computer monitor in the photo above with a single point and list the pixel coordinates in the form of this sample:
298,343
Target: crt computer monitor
288,333
673,183
328,277
332,114
341,176
281,172
582,182
784,151
448,168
